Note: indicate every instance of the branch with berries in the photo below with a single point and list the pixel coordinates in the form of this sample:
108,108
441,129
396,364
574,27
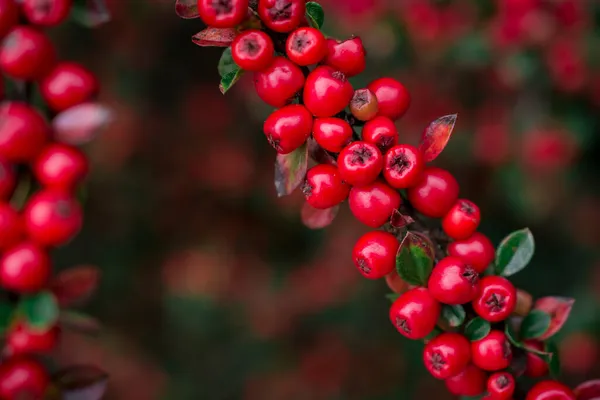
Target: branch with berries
338,143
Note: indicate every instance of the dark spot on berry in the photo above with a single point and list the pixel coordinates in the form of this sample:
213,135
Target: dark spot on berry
339,76
361,155
63,209
437,361
466,207
274,142
364,266
281,11
222,6
402,324
506,350
307,189
250,46
471,275
496,302
399,163
502,381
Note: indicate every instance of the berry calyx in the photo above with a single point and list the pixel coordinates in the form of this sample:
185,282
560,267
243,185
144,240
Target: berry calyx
477,251
23,132
496,299
501,386
60,166
393,98
374,204
277,84
288,128
326,92
346,56
363,105
27,54
415,313
11,226
382,132
68,85
550,390
374,254
252,50
435,193
493,352
535,366
462,220
223,13
23,340
24,268
453,282
403,165
324,187
332,134
360,163
447,355
470,382
22,378
281,15
306,46
46,12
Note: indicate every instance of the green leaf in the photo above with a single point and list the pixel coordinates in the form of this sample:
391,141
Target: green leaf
477,329
40,310
511,335
535,324
226,63
7,312
414,260
554,364
290,170
453,315
315,14
392,297
229,80
514,252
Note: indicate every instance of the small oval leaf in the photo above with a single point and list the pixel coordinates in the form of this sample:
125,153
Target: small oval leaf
414,260
215,37
290,170
90,13
535,324
315,14
75,285
477,329
314,218
554,364
187,9
229,80
39,310
226,64
589,390
399,220
453,316
436,136
80,124
81,382
558,308
318,154
514,252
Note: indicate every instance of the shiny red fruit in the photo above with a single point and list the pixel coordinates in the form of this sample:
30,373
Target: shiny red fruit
323,187
469,382
27,53
46,12
360,163
550,390
392,97
67,85
281,15
447,355
435,193
332,134
493,352
24,268
8,179
535,366
327,92
60,166
374,254
453,282
23,378
501,386
306,46
23,340
477,251
403,166
277,84
23,132
9,16
252,50
374,204
496,298
462,220
223,13
382,132
11,226
346,56
288,128
415,313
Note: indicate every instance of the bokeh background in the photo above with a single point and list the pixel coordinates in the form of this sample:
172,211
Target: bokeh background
213,289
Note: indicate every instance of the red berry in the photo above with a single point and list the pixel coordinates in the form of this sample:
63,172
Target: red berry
306,46
323,187
327,92
223,13
68,85
346,56
252,50
46,12
23,132
415,313
501,386
277,84
24,268
374,204
281,15
27,54
8,179
435,193
550,390
288,128
462,220
22,378
60,166
11,226
403,166
535,367
447,355
9,16
360,163
392,97
374,254
493,352
382,132
469,382
453,282
496,298
23,340
477,251
332,134
52,217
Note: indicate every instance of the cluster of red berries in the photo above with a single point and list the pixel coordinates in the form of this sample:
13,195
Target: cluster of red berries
52,216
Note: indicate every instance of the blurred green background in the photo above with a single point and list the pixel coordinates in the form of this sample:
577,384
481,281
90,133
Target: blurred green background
213,289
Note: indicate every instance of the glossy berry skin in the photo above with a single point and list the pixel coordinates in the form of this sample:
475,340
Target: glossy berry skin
60,166
470,382
11,226
363,105
24,340
277,84
415,313
374,204
46,12
447,355
326,92
24,268
382,132
68,85
323,187
535,366
52,218
392,97
453,282
477,251
496,298
360,163
23,132
306,46
462,220
332,134
346,56
27,53
281,15
435,193
252,50
501,386
403,166
288,128
23,378
223,13
493,352
9,16
374,254
550,390
8,179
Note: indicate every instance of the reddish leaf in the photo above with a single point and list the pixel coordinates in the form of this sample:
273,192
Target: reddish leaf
81,382
316,219
91,13
215,37
318,154
187,9
79,322
589,390
75,284
400,220
80,124
436,136
290,170
559,309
